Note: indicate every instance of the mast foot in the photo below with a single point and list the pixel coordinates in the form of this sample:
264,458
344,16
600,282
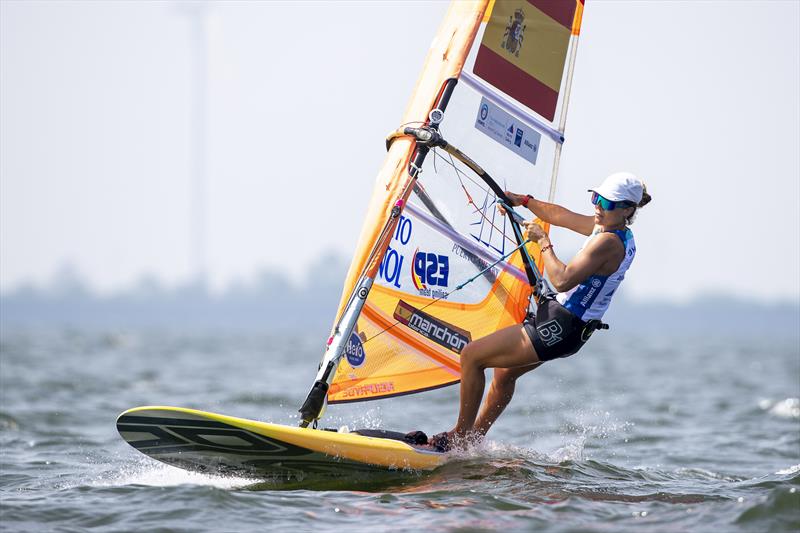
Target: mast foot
315,401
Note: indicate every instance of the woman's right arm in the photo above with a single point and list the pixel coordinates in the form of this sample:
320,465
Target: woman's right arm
555,214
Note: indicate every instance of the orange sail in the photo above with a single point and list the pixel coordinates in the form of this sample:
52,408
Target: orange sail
437,265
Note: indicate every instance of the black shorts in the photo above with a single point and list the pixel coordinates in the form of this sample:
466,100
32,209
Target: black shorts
554,331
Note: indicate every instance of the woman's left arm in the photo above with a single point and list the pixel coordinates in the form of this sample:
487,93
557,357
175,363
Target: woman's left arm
601,255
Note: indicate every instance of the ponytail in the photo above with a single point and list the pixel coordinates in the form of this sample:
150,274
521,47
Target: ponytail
646,198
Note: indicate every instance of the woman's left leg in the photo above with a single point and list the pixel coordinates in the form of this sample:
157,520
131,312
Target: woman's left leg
501,389
506,348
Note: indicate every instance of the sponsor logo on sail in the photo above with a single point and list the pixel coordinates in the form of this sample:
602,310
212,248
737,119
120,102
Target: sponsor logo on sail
518,137
358,391
506,130
430,269
490,273
354,351
434,329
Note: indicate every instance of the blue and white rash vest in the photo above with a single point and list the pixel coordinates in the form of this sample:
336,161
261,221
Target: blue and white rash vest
590,299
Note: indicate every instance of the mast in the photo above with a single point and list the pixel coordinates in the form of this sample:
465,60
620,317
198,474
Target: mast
562,121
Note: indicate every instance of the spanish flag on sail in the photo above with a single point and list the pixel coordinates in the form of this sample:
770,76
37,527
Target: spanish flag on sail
524,49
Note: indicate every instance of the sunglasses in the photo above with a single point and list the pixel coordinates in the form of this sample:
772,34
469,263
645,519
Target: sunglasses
609,205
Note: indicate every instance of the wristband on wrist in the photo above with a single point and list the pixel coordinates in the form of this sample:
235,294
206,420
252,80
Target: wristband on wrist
548,247
527,199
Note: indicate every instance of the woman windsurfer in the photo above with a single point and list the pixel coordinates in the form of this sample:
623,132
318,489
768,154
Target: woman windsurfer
564,322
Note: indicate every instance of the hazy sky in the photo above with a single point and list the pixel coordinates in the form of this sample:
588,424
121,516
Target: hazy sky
702,99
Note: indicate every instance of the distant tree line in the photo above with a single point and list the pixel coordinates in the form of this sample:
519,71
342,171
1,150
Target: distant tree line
272,302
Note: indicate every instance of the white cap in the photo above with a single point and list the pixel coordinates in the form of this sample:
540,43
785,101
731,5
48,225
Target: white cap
621,186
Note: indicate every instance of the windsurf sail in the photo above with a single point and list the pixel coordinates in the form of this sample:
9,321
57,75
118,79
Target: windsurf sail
436,265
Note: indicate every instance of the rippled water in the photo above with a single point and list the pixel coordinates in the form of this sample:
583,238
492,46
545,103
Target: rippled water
632,434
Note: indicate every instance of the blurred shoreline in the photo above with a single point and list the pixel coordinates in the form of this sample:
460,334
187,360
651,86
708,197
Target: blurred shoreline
273,302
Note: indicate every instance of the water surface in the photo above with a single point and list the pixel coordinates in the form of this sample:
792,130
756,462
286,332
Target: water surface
633,434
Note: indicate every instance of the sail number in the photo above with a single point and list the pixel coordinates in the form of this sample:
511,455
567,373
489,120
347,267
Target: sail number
403,231
392,264
432,269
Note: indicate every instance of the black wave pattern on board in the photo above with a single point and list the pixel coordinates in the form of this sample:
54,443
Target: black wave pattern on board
212,447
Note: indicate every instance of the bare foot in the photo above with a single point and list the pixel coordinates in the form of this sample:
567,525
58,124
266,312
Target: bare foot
442,442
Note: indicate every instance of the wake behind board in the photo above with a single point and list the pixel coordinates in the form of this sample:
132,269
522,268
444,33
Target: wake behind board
217,444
